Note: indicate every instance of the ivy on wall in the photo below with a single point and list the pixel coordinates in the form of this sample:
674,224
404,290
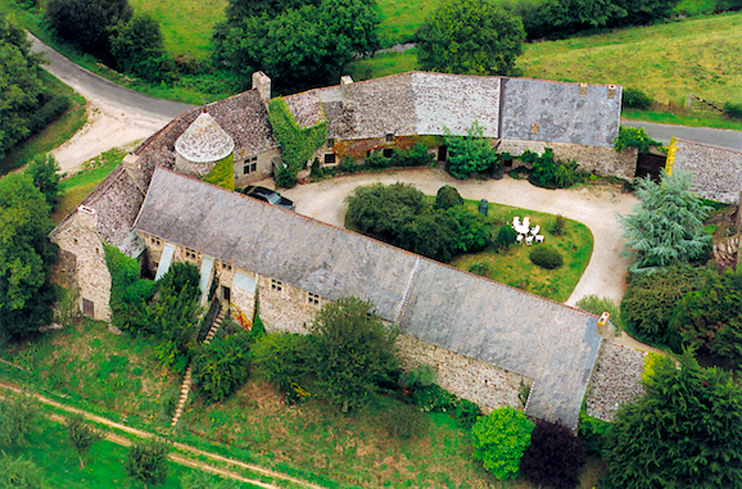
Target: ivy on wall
297,144
221,174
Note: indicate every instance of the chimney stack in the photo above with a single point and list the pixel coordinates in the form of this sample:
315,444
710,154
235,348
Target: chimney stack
86,216
262,84
345,80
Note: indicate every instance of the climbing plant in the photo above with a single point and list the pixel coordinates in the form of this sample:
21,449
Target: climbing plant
297,144
221,174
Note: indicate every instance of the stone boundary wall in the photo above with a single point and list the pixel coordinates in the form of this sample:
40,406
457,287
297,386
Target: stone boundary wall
602,160
487,386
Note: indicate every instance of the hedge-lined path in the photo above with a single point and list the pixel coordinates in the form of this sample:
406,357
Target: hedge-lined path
178,458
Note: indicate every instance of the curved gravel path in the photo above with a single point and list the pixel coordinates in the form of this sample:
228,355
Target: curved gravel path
595,206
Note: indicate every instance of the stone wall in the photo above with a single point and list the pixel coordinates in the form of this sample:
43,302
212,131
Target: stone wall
263,165
601,160
487,386
79,238
284,308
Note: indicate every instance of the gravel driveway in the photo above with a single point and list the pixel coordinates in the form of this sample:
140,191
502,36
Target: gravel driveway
594,206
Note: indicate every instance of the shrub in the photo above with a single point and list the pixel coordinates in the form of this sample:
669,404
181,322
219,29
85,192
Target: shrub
20,473
480,268
557,227
554,457
436,235
382,210
469,154
221,367
146,461
44,170
421,376
635,137
733,110
282,358
546,257
404,421
48,113
447,197
634,98
500,439
434,398
598,305
475,230
593,432
506,236
376,160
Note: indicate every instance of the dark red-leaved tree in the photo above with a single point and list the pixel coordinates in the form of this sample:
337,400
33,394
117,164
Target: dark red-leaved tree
555,456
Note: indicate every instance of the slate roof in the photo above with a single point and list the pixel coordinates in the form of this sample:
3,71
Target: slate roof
204,141
554,344
717,172
413,103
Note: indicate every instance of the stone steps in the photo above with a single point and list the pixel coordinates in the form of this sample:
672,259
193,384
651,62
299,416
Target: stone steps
185,388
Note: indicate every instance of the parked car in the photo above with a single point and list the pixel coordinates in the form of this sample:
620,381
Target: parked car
270,196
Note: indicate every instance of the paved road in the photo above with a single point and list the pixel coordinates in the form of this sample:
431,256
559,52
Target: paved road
90,85
725,138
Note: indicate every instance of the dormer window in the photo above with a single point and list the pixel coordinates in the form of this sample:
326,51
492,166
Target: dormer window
389,137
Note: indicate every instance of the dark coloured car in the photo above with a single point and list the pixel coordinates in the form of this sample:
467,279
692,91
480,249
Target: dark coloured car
270,196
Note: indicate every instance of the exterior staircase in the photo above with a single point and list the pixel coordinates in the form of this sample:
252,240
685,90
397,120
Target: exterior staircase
185,388
726,251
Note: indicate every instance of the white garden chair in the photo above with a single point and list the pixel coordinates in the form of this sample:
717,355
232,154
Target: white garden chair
529,240
519,238
516,222
535,229
539,238
526,222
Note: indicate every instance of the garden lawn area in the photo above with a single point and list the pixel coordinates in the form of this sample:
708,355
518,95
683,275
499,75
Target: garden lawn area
86,365
354,449
48,447
55,133
76,187
513,267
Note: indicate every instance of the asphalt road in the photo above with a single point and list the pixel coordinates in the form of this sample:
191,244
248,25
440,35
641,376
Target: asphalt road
90,85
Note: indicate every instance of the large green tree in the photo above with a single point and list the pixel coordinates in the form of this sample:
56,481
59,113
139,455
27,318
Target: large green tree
500,439
353,351
299,47
137,47
44,170
686,431
20,86
87,24
667,225
470,37
26,255
469,154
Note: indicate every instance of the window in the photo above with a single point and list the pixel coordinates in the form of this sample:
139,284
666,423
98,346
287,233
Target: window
330,159
190,254
226,266
331,143
389,137
276,285
154,241
312,299
388,152
250,166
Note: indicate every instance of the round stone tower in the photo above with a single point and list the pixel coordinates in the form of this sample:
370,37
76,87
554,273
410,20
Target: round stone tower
202,147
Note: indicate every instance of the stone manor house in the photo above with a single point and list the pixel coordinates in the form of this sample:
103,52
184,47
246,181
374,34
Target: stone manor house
484,338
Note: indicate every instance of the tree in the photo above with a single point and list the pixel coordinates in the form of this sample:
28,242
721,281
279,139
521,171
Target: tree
18,415
146,461
44,170
470,37
137,47
686,431
710,319
20,473
353,352
300,47
469,154
221,367
447,197
554,457
82,436
500,439
26,255
649,301
667,225
382,210
434,234
20,86
87,24
282,358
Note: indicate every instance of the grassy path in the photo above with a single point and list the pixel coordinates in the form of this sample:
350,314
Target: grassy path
178,458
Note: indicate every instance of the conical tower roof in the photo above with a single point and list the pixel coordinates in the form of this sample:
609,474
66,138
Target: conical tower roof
204,141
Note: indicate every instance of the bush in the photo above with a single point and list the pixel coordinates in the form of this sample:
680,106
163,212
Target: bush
593,432
599,305
469,154
475,230
557,227
87,24
404,421
137,47
635,137
146,461
382,211
733,110
447,197
44,170
421,376
434,398
20,473
546,257
554,457
500,439
435,235
506,236
221,367
282,358
48,113
480,268
634,98
376,160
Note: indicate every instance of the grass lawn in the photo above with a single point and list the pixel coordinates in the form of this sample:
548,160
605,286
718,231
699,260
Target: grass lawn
55,133
352,450
513,267
74,188
48,447
88,366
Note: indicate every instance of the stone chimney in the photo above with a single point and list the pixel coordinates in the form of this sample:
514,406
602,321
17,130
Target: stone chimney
86,217
345,80
262,84
604,326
